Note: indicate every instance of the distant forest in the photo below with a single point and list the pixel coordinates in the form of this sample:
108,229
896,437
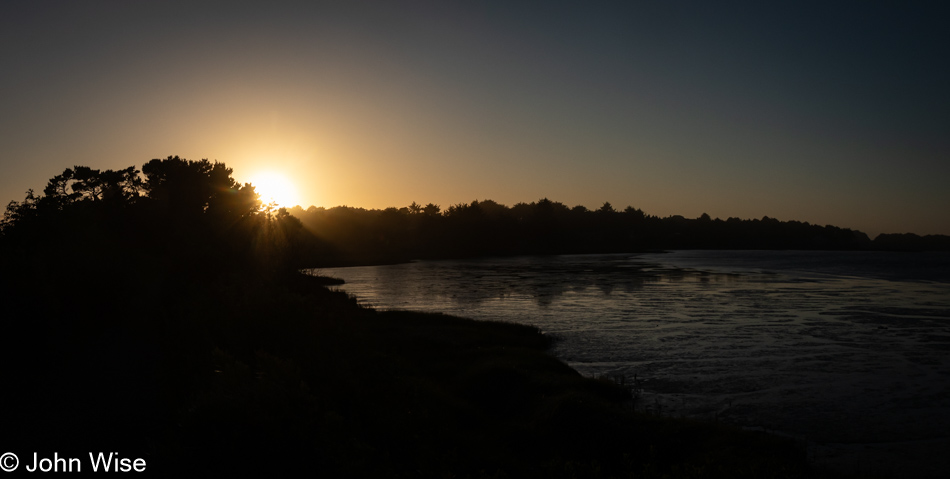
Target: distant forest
197,210
347,235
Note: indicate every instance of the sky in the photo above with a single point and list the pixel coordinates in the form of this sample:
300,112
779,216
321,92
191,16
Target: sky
826,112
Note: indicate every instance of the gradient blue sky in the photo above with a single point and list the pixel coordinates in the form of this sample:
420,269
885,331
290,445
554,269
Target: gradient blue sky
826,112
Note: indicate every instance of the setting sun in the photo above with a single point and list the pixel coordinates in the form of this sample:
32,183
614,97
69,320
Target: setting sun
275,188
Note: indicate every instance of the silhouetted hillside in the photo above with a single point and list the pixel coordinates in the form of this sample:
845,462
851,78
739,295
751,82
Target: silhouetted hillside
117,288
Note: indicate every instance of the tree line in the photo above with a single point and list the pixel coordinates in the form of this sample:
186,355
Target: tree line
195,215
346,235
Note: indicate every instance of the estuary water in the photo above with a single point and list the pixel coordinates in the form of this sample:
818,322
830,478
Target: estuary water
847,351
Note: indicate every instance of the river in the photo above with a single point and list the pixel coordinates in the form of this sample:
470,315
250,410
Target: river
847,351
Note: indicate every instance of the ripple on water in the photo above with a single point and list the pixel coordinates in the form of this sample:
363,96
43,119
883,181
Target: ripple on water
834,347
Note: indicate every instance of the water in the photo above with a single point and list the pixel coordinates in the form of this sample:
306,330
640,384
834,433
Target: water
848,351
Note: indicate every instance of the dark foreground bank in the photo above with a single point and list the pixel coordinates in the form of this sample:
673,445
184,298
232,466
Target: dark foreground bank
294,378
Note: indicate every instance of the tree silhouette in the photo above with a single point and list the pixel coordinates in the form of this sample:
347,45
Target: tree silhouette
192,187
431,209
